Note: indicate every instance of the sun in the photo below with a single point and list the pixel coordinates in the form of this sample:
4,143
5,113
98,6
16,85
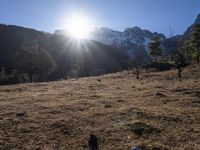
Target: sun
79,27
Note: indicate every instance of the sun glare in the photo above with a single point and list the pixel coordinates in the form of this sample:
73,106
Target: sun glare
79,27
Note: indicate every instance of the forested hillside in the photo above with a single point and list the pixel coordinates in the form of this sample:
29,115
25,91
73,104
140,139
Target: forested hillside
53,57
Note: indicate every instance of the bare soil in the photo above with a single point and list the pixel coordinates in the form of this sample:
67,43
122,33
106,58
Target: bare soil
158,111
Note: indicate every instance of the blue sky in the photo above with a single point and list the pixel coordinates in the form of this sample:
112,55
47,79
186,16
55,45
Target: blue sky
154,15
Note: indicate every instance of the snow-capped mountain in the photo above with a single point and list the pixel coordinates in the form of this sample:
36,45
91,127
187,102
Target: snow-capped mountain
130,38
135,38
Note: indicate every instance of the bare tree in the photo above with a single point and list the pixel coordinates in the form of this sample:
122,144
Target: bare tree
139,58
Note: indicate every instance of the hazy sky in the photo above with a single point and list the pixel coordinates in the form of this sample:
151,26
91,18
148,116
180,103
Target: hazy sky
154,15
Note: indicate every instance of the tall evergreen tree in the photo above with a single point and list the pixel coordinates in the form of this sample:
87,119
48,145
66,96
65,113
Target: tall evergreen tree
155,49
191,46
195,40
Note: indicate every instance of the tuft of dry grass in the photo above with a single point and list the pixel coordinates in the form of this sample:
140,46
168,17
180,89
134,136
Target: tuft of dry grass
158,112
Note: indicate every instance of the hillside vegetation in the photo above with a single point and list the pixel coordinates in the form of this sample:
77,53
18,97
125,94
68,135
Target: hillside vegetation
159,111
28,55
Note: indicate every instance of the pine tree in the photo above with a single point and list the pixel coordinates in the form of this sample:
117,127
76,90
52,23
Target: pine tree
195,40
155,49
191,46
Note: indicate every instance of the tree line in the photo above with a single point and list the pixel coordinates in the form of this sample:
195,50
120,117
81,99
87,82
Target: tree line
188,51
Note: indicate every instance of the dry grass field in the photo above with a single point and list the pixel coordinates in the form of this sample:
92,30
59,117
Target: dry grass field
157,112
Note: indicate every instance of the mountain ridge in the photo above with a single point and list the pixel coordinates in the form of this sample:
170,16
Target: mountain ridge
130,38
89,55
115,47
134,38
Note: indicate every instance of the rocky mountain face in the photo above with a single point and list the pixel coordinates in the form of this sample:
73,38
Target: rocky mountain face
128,40
134,39
131,40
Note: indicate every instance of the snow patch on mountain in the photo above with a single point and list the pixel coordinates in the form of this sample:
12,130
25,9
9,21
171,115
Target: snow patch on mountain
146,43
130,40
107,36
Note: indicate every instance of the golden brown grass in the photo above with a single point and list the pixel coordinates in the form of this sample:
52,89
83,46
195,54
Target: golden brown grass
157,111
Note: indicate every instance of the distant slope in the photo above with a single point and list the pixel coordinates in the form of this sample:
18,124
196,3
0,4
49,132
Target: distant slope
129,40
89,55
11,39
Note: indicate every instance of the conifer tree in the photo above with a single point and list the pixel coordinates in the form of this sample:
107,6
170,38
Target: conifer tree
195,40
155,49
